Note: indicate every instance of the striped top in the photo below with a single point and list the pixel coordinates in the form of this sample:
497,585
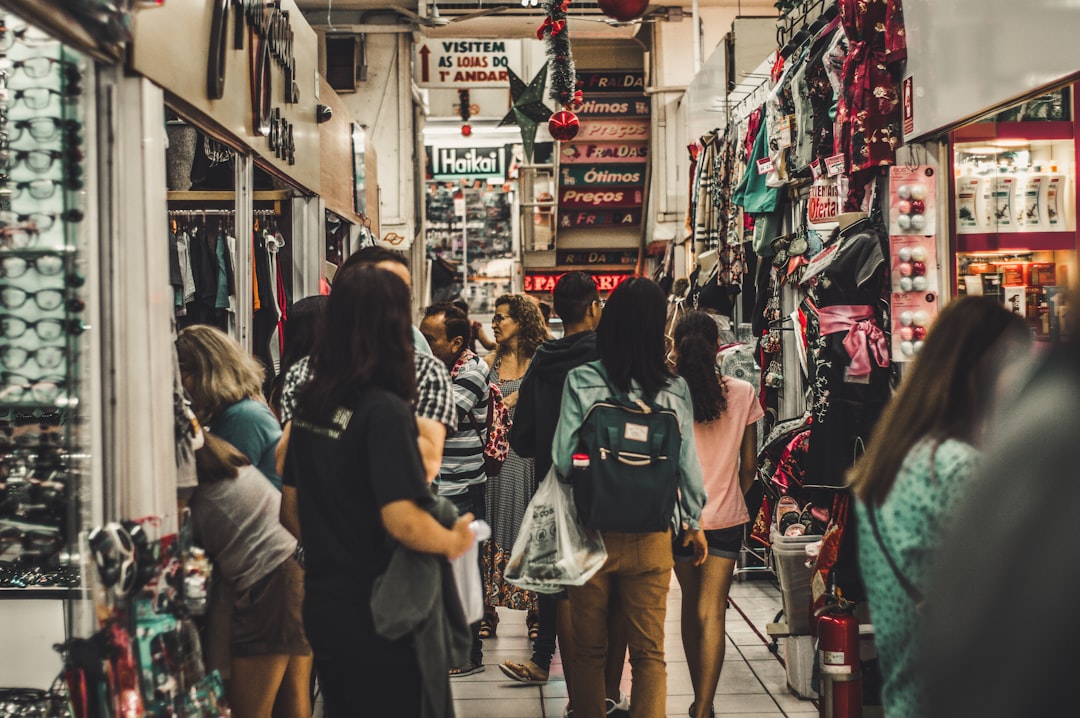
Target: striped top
463,452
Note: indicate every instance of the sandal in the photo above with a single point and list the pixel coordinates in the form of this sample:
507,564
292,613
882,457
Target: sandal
467,670
488,624
528,672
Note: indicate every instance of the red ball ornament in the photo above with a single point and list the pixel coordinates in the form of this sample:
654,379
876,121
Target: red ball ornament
563,126
918,268
918,206
466,130
623,10
919,333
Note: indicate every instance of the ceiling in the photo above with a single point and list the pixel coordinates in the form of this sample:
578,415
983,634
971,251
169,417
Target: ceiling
513,22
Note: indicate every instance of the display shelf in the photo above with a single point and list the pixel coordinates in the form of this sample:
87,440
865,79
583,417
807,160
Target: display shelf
1008,241
268,195
988,131
42,593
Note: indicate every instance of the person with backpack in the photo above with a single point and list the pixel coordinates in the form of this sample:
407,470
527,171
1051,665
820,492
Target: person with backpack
625,439
518,327
463,475
578,304
726,411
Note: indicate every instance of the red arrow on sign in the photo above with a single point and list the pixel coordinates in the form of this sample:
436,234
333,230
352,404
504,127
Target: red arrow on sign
425,70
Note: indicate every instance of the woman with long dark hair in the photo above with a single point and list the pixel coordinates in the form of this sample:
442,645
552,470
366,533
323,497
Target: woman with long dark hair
354,438
630,339
726,411
919,461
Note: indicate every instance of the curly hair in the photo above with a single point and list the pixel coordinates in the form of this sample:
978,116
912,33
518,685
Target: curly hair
523,310
696,337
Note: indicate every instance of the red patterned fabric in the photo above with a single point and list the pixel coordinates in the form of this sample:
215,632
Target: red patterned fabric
868,115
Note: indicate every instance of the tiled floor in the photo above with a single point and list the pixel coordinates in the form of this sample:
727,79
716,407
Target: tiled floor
753,682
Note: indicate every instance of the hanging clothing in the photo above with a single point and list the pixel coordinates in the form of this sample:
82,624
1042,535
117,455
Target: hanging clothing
752,193
851,375
869,111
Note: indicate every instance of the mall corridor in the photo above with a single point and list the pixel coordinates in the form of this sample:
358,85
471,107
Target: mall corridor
753,682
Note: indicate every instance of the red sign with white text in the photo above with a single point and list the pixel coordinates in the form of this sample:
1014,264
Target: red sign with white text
599,198
545,282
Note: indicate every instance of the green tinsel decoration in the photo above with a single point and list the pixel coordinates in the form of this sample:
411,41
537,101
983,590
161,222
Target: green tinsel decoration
563,75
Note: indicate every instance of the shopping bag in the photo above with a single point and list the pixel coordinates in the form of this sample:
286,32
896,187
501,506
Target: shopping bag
552,549
466,567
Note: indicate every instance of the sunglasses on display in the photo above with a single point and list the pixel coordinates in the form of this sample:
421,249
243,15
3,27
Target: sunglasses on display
16,388
38,67
47,265
41,221
42,129
40,188
39,160
23,35
40,541
45,299
13,327
48,357
37,98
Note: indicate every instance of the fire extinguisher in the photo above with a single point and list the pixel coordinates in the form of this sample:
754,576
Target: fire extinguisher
838,660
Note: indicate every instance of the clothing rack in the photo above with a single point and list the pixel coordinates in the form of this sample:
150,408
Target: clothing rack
789,39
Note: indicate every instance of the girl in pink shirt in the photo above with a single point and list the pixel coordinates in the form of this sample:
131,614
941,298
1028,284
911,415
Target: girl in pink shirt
726,412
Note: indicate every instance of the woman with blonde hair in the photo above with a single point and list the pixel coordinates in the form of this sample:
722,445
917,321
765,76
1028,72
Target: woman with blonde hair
918,465
519,329
225,386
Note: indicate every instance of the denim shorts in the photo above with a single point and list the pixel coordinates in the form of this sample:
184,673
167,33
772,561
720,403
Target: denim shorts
724,543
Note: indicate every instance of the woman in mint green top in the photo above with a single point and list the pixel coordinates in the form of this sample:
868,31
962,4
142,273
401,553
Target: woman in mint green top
225,386
637,573
919,461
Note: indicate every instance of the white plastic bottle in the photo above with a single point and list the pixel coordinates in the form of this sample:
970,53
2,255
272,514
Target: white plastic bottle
970,212
1052,201
1029,212
1003,196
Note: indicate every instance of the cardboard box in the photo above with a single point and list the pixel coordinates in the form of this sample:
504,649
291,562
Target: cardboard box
1042,274
1016,300
1012,274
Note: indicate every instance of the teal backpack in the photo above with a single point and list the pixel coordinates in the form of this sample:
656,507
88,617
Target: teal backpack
631,478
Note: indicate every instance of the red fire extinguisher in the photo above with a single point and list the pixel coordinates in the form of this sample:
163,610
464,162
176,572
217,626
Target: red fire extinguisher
838,661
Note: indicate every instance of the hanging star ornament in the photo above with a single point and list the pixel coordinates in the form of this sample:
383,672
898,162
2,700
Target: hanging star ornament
528,108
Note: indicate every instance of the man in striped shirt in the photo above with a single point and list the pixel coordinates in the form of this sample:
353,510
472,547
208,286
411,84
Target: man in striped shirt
462,479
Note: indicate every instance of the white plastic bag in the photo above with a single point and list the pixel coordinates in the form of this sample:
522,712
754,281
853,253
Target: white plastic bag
552,549
466,568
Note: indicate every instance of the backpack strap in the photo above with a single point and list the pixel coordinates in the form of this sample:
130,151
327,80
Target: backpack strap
909,588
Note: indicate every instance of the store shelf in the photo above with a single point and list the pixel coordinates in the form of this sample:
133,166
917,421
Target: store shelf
42,593
1006,241
272,195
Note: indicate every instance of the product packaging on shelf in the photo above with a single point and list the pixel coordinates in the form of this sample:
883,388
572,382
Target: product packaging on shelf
912,315
913,264
912,200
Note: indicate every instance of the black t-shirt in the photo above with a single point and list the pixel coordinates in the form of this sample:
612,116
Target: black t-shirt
363,459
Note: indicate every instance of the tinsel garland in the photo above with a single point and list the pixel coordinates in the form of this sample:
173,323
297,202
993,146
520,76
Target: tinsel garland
464,105
563,76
